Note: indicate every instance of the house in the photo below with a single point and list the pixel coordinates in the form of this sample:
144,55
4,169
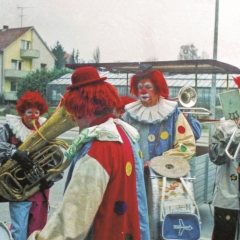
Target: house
22,51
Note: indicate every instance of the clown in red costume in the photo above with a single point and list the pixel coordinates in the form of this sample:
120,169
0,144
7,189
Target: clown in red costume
105,194
29,215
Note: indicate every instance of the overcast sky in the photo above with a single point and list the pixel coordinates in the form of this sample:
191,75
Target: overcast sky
130,30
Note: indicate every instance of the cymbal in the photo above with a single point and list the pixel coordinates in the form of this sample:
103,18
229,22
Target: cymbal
170,166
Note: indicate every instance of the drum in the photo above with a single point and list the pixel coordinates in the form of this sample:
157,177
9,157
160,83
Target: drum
4,232
176,198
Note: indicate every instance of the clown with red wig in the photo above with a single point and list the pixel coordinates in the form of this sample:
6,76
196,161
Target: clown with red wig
29,215
105,194
163,129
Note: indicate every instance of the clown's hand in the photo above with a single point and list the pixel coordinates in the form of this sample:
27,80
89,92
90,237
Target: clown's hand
236,137
23,160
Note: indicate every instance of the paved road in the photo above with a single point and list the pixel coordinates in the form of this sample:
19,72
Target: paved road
57,191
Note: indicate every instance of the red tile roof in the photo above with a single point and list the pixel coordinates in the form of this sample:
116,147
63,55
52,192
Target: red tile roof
8,36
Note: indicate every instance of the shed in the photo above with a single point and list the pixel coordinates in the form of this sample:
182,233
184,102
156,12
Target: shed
57,87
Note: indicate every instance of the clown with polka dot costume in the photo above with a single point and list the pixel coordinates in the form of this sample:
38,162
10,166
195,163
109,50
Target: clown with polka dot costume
105,195
163,129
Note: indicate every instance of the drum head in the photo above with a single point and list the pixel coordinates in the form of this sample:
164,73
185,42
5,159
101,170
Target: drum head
4,232
169,166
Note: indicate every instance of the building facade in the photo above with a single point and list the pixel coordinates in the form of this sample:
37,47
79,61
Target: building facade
22,51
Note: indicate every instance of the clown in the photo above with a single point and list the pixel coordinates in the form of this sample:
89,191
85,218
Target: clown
163,128
164,131
29,215
124,101
227,182
105,194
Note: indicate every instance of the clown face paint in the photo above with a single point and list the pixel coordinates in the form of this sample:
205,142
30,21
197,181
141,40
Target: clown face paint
29,115
147,93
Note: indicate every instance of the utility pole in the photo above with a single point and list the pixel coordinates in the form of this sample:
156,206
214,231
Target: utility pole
21,16
215,48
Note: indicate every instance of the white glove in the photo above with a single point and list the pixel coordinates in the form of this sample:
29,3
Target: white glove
236,137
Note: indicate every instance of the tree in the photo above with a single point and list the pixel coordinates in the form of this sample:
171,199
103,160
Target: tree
58,52
188,52
205,55
74,57
96,55
37,81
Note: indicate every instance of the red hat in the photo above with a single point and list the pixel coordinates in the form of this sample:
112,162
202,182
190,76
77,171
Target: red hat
85,76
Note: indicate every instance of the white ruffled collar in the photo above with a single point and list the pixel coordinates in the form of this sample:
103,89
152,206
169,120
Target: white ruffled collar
106,131
18,128
152,114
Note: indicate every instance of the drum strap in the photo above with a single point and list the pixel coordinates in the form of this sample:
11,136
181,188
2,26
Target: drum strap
158,137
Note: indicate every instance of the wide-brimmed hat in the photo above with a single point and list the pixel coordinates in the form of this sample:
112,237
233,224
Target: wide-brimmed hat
84,76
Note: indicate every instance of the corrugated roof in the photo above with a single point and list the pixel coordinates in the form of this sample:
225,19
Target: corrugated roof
8,36
178,80
199,66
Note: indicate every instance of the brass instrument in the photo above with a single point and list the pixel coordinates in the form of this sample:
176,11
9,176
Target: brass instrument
232,157
187,96
17,184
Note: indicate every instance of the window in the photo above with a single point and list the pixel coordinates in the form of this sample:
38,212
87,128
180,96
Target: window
25,44
13,86
16,65
43,66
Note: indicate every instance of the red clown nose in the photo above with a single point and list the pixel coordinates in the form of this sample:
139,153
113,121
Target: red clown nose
143,91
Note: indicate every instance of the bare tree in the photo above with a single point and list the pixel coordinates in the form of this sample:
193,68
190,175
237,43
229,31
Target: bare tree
205,55
96,55
188,52
152,59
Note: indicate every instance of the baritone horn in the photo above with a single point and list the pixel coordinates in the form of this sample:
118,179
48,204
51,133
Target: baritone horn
47,156
187,96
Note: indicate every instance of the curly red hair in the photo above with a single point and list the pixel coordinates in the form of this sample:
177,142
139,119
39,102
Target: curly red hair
91,99
156,78
124,101
29,100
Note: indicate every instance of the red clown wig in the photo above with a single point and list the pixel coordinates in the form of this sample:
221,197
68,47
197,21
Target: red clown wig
156,78
89,94
93,99
29,100
124,101
237,81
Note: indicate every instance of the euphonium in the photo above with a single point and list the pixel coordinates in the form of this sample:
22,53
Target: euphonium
45,152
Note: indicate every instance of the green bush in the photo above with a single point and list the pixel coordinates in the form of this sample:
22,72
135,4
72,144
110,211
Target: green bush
37,81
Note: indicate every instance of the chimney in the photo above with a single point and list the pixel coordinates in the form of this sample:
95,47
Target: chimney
5,27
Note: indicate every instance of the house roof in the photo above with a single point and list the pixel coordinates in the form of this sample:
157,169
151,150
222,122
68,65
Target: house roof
199,66
9,35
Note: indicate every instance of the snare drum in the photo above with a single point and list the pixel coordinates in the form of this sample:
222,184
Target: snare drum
4,232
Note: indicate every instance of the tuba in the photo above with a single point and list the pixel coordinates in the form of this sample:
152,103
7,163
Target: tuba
45,152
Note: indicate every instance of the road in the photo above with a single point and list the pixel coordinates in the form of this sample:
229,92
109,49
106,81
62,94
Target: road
57,192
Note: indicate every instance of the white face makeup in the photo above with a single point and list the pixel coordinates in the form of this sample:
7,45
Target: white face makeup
29,115
147,93
30,112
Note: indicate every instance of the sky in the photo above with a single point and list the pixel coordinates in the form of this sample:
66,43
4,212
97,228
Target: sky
130,30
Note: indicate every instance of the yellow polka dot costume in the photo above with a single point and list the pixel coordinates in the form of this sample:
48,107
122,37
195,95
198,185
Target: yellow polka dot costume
163,129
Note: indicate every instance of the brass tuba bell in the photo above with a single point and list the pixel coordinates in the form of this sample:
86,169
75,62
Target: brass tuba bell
46,154
187,96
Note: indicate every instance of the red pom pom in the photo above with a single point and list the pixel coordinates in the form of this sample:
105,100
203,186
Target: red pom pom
237,81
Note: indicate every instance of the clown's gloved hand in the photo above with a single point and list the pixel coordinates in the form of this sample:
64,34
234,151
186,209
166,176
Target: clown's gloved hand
23,160
236,137
44,184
